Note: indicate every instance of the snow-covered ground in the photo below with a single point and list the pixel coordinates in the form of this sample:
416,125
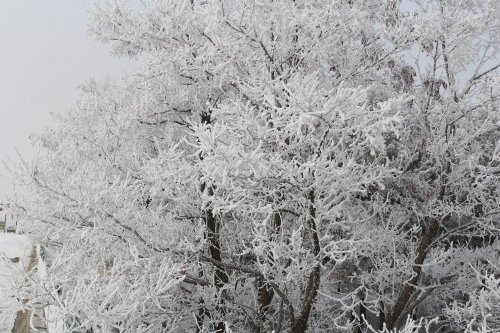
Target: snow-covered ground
12,246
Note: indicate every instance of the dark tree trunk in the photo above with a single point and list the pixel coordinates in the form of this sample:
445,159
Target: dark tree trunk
409,287
265,293
301,323
213,236
265,297
381,316
362,316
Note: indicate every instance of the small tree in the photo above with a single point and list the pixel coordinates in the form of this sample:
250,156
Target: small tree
282,166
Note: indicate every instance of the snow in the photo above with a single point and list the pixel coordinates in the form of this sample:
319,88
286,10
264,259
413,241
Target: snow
11,246
54,323
52,313
10,220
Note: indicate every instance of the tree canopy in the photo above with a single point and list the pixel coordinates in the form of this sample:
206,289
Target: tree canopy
277,166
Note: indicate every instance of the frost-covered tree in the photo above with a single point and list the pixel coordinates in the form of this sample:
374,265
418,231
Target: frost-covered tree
277,166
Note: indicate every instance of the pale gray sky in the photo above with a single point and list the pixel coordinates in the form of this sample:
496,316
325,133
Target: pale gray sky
45,53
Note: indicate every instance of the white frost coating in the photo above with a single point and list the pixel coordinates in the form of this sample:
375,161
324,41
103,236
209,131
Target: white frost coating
11,246
269,156
54,322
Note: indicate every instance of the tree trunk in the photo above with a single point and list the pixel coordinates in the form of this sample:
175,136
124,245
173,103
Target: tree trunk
213,226
409,287
220,276
265,293
300,324
381,316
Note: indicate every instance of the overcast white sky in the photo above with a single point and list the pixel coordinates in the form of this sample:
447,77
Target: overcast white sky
45,53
